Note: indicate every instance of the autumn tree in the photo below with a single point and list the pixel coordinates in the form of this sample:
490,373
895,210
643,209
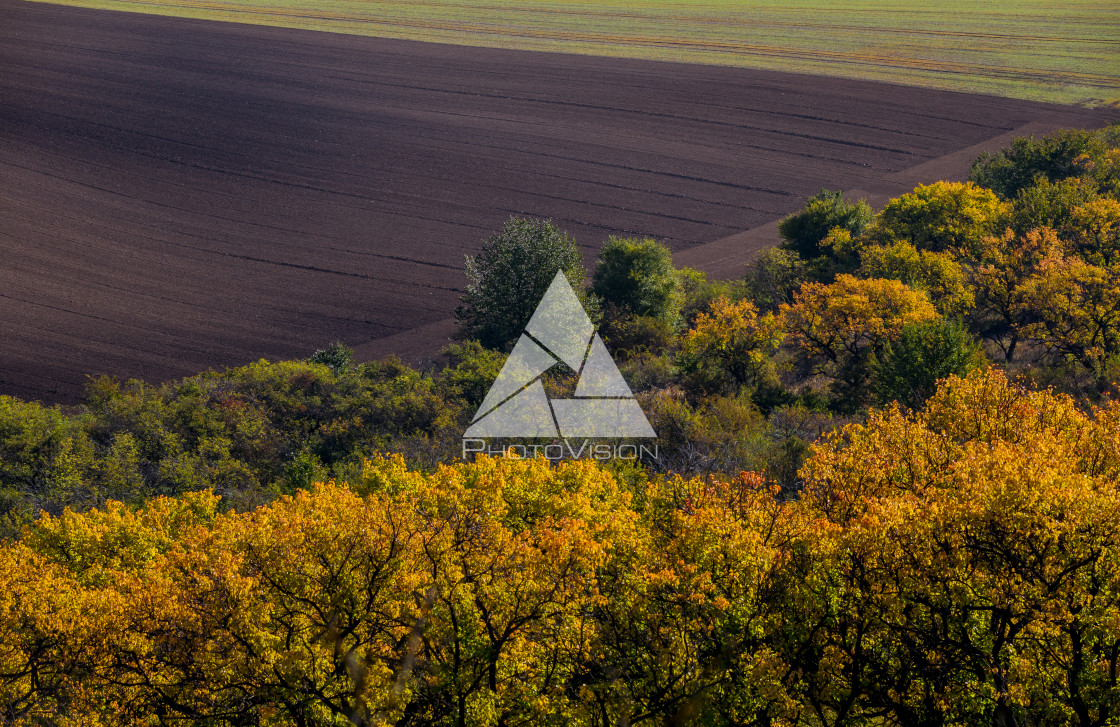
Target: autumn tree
510,552
1075,310
840,328
967,533
999,271
937,273
683,637
1094,229
56,638
1104,168
940,217
729,345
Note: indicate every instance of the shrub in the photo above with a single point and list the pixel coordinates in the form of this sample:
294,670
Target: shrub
720,434
46,459
337,357
628,336
697,292
471,370
647,371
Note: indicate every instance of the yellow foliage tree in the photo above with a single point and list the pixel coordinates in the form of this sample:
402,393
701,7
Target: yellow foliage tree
979,562
999,269
1096,231
937,273
730,344
954,566
685,612
1074,307
941,217
840,327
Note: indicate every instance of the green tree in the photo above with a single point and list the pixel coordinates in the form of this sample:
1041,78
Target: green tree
773,277
508,278
823,212
637,276
1054,157
1051,204
908,369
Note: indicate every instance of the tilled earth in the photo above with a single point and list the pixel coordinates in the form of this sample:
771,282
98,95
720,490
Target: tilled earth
177,195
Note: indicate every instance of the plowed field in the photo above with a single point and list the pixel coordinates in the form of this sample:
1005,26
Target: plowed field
179,194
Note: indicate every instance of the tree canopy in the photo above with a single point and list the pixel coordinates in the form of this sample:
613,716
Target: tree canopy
957,565
638,277
803,231
508,278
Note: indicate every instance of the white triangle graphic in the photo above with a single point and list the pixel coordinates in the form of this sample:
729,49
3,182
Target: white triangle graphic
561,324
517,405
600,376
527,413
526,362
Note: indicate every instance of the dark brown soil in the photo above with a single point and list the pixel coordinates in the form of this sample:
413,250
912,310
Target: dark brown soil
177,195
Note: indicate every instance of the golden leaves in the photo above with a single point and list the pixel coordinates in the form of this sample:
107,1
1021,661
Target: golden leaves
940,564
840,327
734,337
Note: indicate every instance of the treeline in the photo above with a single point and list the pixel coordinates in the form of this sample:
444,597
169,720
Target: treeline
1019,267
957,566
